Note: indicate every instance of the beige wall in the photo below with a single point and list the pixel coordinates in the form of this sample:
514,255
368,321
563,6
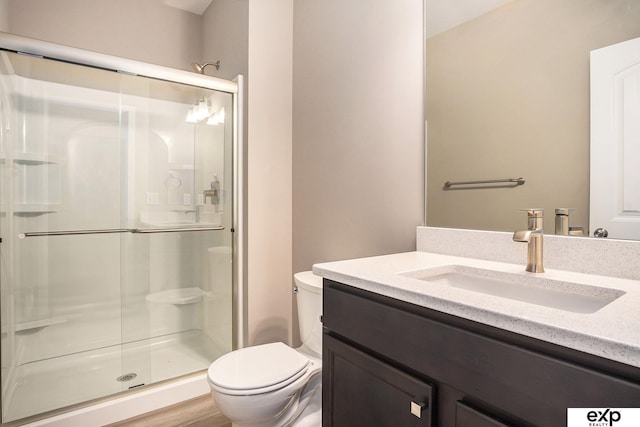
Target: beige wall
144,30
357,129
269,171
4,15
508,96
225,37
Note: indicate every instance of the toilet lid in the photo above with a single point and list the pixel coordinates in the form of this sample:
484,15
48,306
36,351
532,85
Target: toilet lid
257,367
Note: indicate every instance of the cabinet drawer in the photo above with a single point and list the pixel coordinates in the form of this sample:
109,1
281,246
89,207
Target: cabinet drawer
360,390
535,387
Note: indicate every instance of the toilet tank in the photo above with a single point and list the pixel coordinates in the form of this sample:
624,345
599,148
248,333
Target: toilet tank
309,299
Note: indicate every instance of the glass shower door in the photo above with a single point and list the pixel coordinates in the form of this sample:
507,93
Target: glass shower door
177,298
60,308
115,261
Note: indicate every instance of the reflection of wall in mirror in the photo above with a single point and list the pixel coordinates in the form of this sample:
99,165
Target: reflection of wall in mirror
508,97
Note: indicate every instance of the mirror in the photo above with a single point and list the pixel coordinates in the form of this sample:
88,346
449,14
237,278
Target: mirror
507,97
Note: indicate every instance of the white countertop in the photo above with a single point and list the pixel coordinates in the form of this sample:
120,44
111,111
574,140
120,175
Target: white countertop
612,332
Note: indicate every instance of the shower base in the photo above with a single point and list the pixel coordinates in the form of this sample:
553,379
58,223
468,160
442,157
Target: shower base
68,380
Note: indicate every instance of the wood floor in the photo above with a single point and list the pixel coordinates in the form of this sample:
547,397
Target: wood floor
198,412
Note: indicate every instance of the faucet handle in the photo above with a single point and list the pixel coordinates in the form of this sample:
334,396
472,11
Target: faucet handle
562,221
533,212
535,217
564,211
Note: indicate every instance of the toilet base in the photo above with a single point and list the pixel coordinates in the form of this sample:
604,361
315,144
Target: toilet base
303,410
311,414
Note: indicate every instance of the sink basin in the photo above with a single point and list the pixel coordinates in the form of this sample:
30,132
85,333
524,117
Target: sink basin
533,289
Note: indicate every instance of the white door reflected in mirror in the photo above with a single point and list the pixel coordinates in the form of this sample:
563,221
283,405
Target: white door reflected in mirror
615,140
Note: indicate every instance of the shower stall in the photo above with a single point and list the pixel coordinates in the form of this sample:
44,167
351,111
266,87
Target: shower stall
118,207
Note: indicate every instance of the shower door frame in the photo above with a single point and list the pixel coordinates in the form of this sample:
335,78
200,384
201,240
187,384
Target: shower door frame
82,57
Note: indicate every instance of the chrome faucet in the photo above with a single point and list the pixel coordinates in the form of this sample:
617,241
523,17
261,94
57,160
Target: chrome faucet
533,236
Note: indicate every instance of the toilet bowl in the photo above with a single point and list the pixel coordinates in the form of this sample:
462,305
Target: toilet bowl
272,384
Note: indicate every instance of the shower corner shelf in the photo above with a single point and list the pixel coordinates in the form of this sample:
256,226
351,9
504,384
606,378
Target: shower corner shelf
178,296
34,159
34,209
36,325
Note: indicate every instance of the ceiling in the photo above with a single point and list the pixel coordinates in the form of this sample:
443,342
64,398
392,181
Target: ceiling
442,15
194,6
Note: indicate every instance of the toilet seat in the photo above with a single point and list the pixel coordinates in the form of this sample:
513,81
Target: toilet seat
258,369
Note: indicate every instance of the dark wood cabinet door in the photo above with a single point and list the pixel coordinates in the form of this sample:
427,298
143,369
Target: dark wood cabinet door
466,416
360,390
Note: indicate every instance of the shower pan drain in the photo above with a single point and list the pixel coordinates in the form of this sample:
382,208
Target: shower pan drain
126,377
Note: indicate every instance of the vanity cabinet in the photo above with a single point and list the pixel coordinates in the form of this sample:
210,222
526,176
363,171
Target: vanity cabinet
391,363
371,392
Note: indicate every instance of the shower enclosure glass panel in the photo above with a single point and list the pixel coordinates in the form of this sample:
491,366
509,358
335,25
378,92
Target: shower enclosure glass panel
116,222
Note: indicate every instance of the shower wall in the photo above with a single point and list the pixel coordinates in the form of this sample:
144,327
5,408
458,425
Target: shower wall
116,226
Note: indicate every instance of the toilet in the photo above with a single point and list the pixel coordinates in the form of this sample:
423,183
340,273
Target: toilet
273,384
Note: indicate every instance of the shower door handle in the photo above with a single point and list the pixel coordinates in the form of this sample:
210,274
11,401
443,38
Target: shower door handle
174,230
115,230
73,232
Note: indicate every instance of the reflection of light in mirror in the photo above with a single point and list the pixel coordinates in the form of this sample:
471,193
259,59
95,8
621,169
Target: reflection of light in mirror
198,112
202,110
191,117
217,118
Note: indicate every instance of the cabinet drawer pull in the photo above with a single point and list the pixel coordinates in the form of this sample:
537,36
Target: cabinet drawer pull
417,407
